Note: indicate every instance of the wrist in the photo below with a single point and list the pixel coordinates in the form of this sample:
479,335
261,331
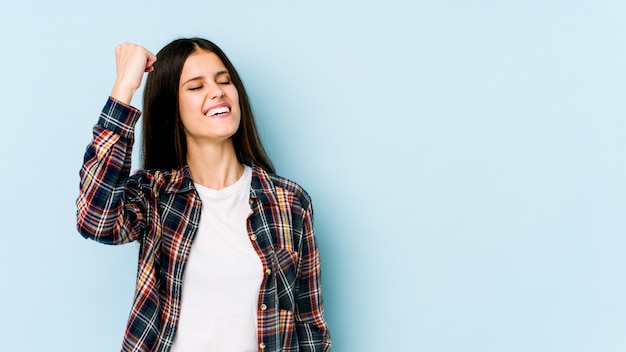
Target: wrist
123,92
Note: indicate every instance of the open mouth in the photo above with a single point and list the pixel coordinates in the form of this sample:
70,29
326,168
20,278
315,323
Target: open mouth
218,111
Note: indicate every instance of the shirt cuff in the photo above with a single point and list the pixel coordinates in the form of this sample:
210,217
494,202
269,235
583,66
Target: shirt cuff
119,118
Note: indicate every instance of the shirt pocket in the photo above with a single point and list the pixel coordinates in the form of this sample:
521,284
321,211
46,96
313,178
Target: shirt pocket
286,264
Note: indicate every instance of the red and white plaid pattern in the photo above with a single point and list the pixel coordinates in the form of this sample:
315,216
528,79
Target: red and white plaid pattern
161,210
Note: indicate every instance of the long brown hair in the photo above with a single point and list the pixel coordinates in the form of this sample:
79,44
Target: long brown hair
164,142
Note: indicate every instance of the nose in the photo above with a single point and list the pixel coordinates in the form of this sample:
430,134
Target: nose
216,91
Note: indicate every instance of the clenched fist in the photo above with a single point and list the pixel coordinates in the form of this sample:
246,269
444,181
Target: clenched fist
132,62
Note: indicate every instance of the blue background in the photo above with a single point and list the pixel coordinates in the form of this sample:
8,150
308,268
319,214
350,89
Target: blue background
466,159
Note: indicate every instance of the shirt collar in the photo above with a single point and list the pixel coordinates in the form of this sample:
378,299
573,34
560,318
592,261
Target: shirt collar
261,189
180,180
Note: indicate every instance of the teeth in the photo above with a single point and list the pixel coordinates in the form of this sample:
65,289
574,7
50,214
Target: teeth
216,111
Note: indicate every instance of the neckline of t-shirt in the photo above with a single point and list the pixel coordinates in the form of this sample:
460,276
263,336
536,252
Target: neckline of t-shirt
243,181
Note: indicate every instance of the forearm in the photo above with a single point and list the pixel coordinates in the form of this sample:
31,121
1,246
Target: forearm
103,176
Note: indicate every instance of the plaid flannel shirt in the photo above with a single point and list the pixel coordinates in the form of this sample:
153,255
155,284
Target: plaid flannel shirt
161,210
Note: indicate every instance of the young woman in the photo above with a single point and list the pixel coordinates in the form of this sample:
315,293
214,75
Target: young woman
228,259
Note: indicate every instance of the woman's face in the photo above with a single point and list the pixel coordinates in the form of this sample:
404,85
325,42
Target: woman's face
208,100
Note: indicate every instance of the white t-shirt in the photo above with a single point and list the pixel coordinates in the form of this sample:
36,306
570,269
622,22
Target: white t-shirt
222,276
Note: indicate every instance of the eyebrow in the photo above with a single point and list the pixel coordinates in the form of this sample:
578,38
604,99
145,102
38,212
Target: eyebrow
220,73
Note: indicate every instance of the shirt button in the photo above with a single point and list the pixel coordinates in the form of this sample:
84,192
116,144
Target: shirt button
263,307
253,237
268,271
262,345
251,201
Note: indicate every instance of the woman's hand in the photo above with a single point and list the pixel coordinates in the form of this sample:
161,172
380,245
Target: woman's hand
132,61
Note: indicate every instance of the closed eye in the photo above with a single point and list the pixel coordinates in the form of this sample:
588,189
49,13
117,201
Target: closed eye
195,88
223,78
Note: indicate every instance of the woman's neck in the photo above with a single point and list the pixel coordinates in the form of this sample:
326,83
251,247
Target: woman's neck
214,165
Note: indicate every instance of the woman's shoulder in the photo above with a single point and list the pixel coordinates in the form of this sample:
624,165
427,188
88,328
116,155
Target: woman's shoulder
160,180
282,187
